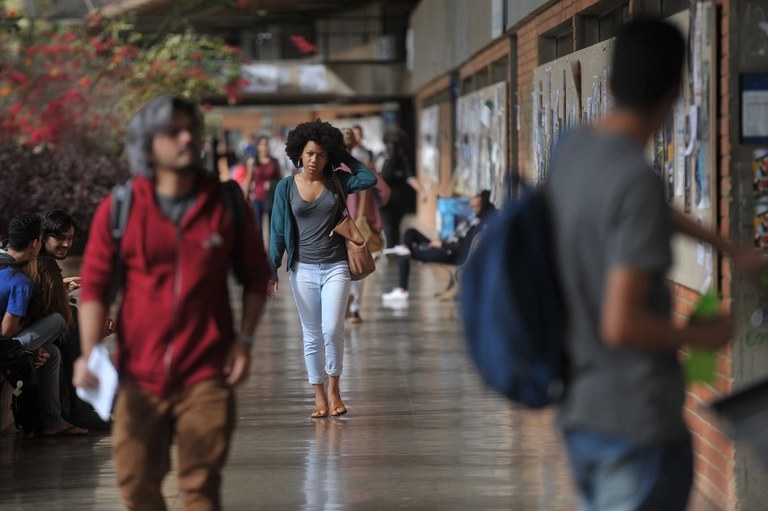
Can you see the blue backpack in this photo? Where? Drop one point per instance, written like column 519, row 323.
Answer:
column 511, row 307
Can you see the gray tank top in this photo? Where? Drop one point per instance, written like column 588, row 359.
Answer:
column 315, row 221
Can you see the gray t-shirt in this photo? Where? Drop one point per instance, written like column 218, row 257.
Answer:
column 174, row 208
column 315, row 222
column 609, row 210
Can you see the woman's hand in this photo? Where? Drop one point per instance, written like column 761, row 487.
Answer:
column 272, row 286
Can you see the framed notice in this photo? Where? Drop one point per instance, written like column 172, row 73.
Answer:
column 754, row 108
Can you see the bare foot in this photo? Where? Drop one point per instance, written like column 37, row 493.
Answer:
column 64, row 428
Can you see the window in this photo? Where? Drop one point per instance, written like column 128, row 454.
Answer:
column 556, row 43
column 600, row 22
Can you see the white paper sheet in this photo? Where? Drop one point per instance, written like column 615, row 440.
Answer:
column 100, row 397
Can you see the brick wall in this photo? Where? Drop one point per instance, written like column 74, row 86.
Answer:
column 714, row 454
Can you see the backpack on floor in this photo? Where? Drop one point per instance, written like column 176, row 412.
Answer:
column 18, row 369
column 511, row 306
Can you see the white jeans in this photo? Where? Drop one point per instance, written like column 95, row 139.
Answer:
column 321, row 292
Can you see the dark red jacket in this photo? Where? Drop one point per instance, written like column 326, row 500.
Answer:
column 175, row 323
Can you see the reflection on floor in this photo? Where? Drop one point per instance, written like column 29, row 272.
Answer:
column 421, row 433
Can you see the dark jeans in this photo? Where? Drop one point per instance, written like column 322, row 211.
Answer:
column 260, row 210
column 391, row 219
column 258, row 213
column 618, row 474
column 420, row 251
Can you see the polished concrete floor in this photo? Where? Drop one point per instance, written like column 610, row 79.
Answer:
column 421, row 433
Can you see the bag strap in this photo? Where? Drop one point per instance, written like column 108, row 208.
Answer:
column 339, row 189
column 118, row 218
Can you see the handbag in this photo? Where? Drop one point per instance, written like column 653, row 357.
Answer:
column 359, row 256
column 372, row 238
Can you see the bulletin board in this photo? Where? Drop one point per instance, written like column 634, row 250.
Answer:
column 481, row 138
column 573, row 90
column 568, row 92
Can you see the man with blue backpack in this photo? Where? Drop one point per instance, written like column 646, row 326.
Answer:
column 611, row 230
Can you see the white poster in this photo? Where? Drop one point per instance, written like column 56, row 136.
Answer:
column 260, row 78
column 313, row 79
column 429, row 155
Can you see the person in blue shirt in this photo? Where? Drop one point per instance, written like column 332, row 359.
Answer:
column 452, row 250
column 18, row 268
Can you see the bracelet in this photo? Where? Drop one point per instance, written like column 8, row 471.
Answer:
column 246, row 339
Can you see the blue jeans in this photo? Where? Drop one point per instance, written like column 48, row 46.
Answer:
column 615, row 474
column 321, row 292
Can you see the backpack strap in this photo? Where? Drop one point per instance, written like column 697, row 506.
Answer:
column 118, row 218
column 233, row 200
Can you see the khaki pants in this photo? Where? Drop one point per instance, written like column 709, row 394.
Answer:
column 202, row 418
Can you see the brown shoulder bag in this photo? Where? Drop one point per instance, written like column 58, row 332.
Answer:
column 360, row 259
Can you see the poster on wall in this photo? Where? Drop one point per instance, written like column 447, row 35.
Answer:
column 567, row 92
column 481, row 134
column 429, row 154
column 760, row 187
column 681, row 152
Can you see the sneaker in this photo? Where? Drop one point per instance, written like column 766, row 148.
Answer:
column 395, row 294
column 397, row 251
column 355, row 317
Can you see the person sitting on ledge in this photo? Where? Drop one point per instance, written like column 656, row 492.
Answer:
column 453, row 250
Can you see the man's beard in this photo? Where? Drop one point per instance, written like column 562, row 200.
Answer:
column 186, row 170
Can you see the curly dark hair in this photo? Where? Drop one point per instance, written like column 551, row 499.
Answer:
column 321, row 133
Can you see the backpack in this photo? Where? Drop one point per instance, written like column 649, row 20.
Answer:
column 511, row 307
column 121, row 207
column 18, row 369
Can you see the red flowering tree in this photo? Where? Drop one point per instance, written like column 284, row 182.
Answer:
column 78, row 84
column 66, row 93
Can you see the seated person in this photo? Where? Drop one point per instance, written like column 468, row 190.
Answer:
column 452, row 250
column 18, row 269
column 51, row 291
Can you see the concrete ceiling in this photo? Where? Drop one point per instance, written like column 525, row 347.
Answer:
column 230, row 14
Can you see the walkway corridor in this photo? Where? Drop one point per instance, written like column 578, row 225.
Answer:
column 421, row 432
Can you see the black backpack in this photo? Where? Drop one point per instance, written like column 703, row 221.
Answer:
column 18, row 369
column 121, row 207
